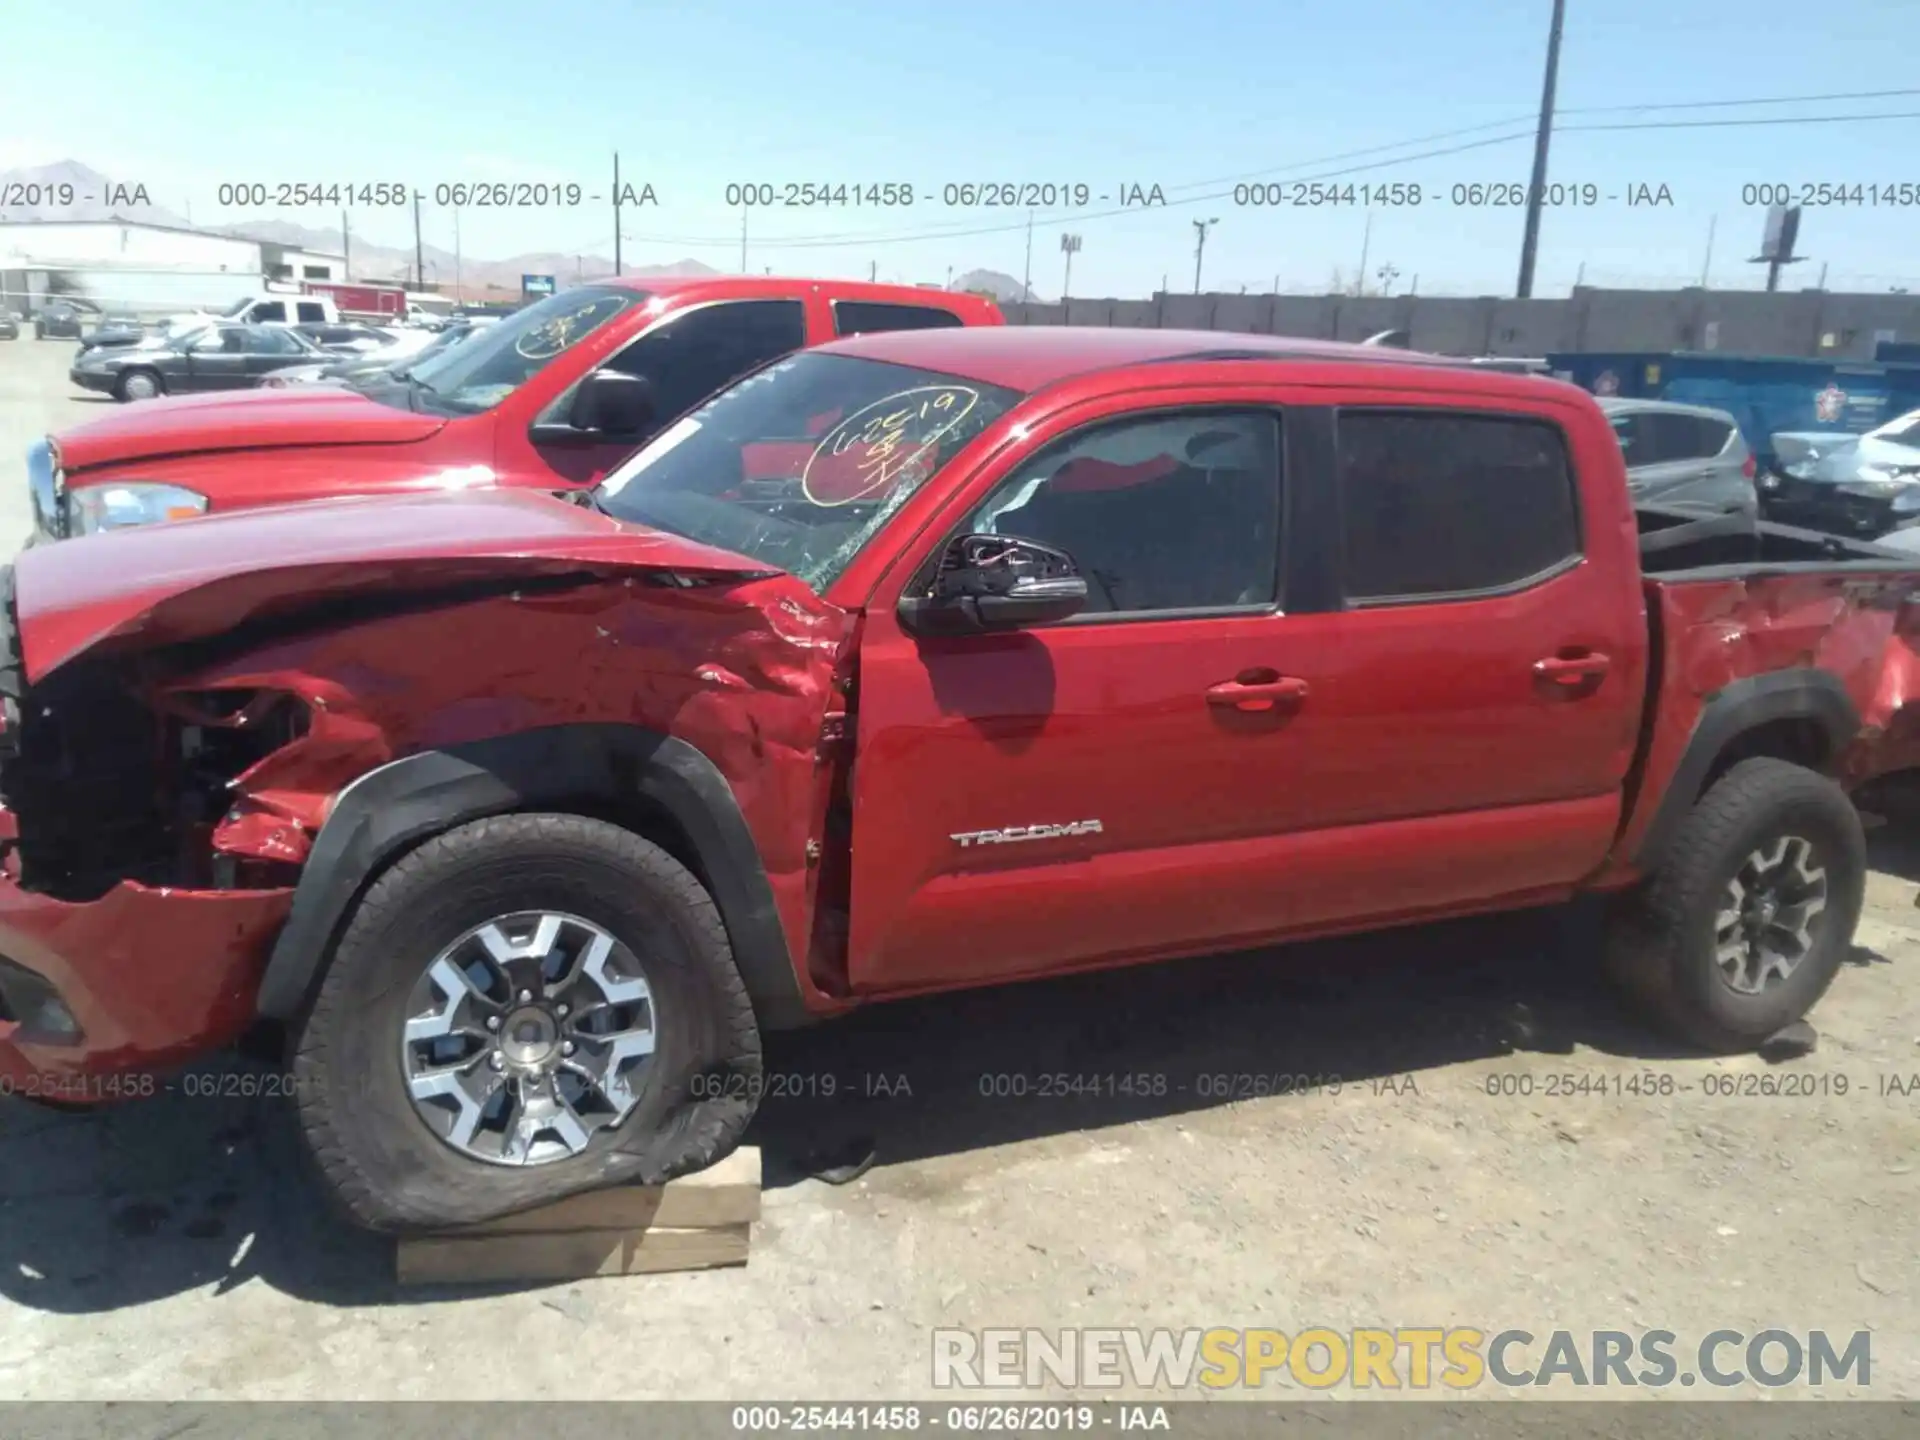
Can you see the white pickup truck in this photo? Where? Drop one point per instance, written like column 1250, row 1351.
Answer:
column 265, row 308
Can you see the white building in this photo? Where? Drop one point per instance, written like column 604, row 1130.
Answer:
column 157, row 269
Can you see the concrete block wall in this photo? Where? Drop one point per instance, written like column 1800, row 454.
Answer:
column 1805, row 323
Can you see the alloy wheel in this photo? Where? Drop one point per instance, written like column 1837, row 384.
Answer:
column 527, row 1036
column 1768, row 916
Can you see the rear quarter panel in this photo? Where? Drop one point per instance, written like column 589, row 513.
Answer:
column 1856, row 626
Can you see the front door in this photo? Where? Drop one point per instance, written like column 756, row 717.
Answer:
column 1098, row 788
column 217, row 360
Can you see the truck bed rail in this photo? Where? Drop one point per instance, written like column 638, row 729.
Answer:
column 1675, row 542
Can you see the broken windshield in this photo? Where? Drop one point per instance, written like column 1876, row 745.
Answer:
column 799, row 464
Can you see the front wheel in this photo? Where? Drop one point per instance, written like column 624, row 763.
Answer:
column 1750, row 910
column 140, row 385
column 525, row 1007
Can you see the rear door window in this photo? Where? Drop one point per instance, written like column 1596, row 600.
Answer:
column 311, row 312
column 862, row 317
column 1439, row 504
column 269, row 310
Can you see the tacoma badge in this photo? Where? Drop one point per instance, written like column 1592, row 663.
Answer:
column 1027, row 832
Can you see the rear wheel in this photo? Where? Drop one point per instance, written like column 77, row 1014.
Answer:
column 1750, row 911
column 140, row 385
column 525, row 1007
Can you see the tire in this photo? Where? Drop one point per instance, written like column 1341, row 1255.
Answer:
column 378, row 1149
column 1665, row 942
column 139, row 385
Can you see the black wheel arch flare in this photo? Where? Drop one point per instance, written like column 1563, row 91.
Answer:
column 390, row 810
column 1737, row 710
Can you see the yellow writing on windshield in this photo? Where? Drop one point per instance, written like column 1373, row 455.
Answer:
column 550, row 337
column 871, row 449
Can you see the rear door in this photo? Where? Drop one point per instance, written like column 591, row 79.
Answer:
column 1474, row 674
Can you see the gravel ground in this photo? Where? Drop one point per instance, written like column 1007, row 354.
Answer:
column 176, row 1247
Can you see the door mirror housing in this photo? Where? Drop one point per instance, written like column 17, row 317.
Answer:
column 609, row 405
column 996, row 582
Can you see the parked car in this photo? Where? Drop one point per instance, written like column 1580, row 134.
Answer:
column 348, row 339
column 1684, row 455
column 57, row 321
column 113, row 330
column 534, row 400
column 561, row 802
column 1867, row 485
column 409, row 347
column 9, row 325
column 215, row 357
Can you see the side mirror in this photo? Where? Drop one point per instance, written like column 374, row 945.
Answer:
column 613, row 404
column 996, row 582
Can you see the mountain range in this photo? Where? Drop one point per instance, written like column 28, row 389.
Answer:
column 91, row 192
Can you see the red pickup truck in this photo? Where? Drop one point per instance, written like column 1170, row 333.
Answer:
column 544, row 399
column 908, row 663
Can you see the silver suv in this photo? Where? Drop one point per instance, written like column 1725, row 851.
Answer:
column 1686, row 456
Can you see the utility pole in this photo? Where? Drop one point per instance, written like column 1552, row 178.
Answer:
column 616, row 212
column 1200, row 228
column 873, row 271
column 1530, row 241
column 1069, row 246
column 743, row 240
column 1706, row 265
column 1823, row 276
column 419, row 254
column 1026, row 281
column 1366, row 242
column 949, row 277
column 458, row 298
column 346, row 249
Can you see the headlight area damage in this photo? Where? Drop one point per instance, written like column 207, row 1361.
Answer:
column 173, row 748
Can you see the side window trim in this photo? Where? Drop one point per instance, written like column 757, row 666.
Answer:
column 1519, row 586
column 1281, row 418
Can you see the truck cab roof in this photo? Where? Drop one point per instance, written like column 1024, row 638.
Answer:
column 1030, row 357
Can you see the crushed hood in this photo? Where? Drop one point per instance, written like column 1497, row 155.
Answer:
column 163, row 584
column 239, row 420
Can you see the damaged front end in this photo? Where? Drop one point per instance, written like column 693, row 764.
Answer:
column 139, row 887
column 185, row 707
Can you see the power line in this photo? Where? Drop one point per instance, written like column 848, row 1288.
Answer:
column 1755, row 120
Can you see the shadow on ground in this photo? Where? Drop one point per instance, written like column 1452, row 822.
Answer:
column 190, row 1189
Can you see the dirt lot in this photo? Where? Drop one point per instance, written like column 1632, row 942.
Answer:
column 176, row 1248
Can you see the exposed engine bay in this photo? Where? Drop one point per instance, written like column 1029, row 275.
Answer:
column 107, row 783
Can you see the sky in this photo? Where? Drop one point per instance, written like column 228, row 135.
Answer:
column 1192, row 97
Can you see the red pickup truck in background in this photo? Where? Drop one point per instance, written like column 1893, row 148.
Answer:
column 907, row 663
column 544, row 398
